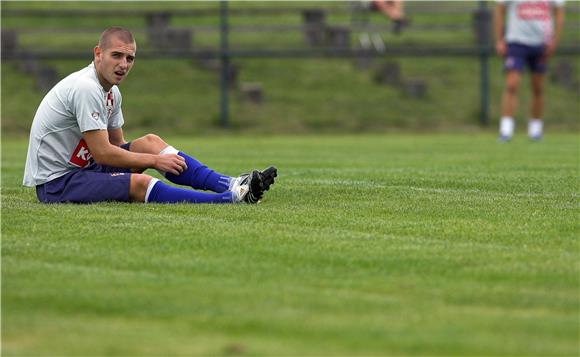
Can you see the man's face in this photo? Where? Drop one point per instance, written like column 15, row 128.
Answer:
column 114, row 62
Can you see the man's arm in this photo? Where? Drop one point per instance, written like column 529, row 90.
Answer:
column 105, row 153
column 116, row 137
column 498, row 29
column 558, row 24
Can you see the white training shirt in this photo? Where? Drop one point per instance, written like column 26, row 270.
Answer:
column 76, row 104
column 530, row 22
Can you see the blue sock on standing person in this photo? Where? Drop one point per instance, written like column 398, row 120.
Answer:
column 197, row 175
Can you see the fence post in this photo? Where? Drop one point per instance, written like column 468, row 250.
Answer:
column 9, row 43
column 314, row 25
column 225, row 64
column 482, row 27
column 157, row 24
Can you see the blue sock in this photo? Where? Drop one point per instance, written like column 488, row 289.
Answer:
column 199, row 176
column 164, row 193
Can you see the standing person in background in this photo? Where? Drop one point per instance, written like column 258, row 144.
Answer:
column 532, row 31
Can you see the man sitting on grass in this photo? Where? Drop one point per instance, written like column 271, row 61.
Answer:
column 77, row 152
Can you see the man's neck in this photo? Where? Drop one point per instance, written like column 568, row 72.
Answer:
column 106, row 86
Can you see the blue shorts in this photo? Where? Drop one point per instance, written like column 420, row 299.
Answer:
column 93, row 183
column 519, row 56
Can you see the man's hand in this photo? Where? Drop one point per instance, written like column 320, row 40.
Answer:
column 549, row 49
column 501, row 48
column 498, row 27
column 172, row 163
column 105, row 153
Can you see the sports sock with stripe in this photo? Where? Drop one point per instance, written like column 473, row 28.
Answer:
column 197, row 175
column 163, row 193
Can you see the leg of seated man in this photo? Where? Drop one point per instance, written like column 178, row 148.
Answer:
column 197, row 175
column 105, row 184
column 87, row 185
column 145, row 188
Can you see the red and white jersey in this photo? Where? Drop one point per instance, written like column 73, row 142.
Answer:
column 529, row 22
column 77, row 104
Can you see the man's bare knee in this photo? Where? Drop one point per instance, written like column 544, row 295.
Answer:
column 538, row 90
column 149, row 144
column 512, row 83
column 138, row 187
column 512, row 88
column 153, row 139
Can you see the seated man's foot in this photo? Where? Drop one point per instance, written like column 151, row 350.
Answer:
column 250, row 187
column 267, row 176
column 247, row 188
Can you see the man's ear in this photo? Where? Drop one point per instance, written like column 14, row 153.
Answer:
column 97, row 53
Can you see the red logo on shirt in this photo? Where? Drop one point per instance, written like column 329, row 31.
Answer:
column 110, row 103
column 534, row 10
column 81, row 156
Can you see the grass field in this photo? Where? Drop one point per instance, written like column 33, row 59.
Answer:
column 366, row 245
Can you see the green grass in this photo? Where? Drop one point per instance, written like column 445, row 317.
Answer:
column 366, row 245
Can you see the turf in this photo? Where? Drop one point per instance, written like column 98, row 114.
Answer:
column 366, row 245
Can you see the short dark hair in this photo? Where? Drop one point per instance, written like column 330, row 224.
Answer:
column 120, row 32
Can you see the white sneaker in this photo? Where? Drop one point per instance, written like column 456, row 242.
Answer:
column 240, row 188
column 506, row 128
column 247, row 187
column 535, row 129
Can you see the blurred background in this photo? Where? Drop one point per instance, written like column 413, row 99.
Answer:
column 283, row 67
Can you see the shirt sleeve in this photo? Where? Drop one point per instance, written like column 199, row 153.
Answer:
column 116, row 120
column 89, row 107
